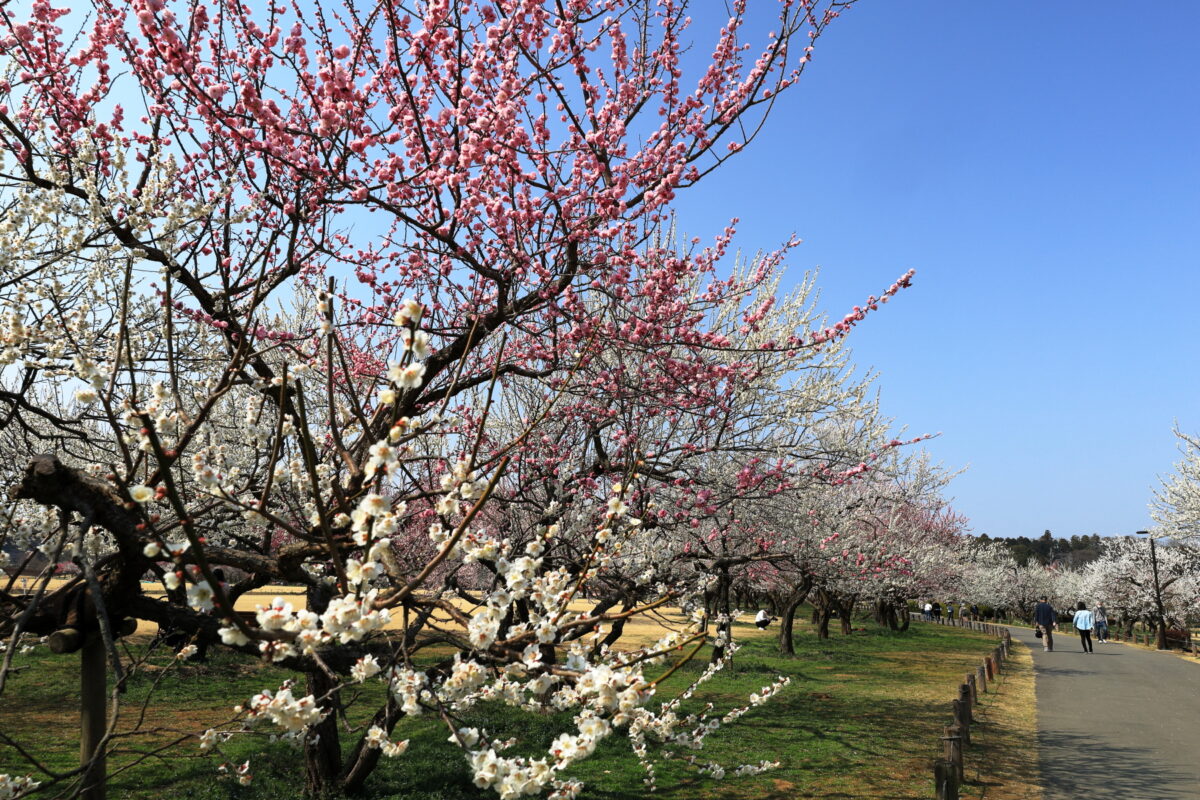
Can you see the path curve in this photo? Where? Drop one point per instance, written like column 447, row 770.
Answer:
column 1121, row 723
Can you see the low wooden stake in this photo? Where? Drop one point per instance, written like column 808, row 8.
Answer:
column 945, row 780
column 952, row 748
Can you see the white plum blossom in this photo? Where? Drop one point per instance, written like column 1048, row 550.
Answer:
column 409, row 313
column 407, row 376
column 376, row 737
column 141, row 494
column 233, row 636
column 208, row 739
column 200, row 596
column 394, row 749
column 364, row 668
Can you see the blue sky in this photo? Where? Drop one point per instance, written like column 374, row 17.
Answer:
column 1039, row 165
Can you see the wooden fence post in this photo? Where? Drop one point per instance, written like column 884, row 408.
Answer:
column 952, row 748
column 92, row 705
column 990, row 663
column 962, row 718
column 945, row 781
column 981, row 678
column 972, row 689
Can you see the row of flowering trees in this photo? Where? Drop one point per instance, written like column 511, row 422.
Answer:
column 384, row 301
column 1153, row 578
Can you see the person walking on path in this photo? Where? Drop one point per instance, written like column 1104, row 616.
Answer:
column 937, row 611
column 928, row 611
column 1101, row 618
column 1083, row 623
column 1046, row 620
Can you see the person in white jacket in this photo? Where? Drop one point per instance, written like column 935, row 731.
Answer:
column 1084, row 621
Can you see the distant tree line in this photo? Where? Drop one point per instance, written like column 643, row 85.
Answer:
column 1045, row 549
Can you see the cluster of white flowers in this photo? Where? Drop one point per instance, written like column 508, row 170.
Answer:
column 376, row 517
column 346, row 619
column 364, row 668
column 411, row 688
column 15, row 786
column 292, row 714
column 241, row 772
column 509, row 777
column 377, row 739
column 409, row 372
column 518, row 776
column 485, row 626
column 92, row 375
column 208, row 740
column 31, row 526
column 350, row 619
column 757, row 699
column 756, row 769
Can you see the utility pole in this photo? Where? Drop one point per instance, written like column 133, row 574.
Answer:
column 1160, row 623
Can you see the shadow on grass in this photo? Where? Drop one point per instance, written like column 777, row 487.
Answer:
column 851, row 724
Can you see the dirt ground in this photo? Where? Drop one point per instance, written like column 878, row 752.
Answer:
column 643, row 629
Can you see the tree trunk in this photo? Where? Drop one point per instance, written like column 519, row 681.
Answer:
column 823, row 617
column 363, row 759
column 723, row 609
column 322, row 748
column 885, row 614
column 846, row 615
column 904, row 619
column 787, row 606
column 787, row 618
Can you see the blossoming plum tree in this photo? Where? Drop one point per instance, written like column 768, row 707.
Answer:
column 1159, row 589
column 1176, row 505
column 273, row 279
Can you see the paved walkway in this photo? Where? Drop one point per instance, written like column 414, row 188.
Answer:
column 1121, row 723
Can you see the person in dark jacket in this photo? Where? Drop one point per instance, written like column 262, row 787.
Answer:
column 1046, row 620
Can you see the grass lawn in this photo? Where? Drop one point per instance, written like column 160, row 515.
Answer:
column 1002, row 763
column 862, row 718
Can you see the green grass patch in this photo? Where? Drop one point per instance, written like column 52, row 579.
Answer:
column 862, row 717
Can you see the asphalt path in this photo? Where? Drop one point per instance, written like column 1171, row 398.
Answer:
column 1122, row 722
